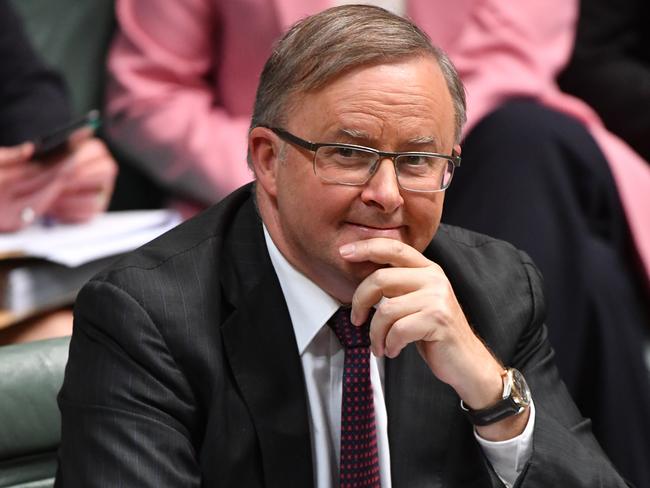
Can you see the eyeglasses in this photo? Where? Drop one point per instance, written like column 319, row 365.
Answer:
column 349, row 164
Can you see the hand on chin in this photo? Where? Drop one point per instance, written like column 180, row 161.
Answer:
column 359, row 271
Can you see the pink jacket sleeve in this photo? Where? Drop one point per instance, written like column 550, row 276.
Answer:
column 162, row 101
column 505, row 49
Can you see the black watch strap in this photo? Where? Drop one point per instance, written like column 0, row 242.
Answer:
column 486, row 416
column 515, row 399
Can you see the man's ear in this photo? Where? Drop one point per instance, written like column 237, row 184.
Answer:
column 264, row 152
column 457, row 149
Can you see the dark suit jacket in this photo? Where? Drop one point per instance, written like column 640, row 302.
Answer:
column 184, row 371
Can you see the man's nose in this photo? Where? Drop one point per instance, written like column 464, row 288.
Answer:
column 382, row 190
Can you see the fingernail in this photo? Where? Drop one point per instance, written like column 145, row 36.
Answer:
column 347, row 249
column 354, row 318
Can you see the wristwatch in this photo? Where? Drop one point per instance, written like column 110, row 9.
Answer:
column 514, row 400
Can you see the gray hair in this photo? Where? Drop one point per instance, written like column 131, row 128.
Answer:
column 323, row 46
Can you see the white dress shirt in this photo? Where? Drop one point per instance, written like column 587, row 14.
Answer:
column 322, row 358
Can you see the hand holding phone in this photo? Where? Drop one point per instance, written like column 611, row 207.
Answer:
column 56, row 141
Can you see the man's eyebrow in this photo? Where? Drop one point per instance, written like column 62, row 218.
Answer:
column 364, row 136
column 358, row 135
column 423, row 140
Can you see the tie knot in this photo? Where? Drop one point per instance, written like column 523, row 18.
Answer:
column 350, row 335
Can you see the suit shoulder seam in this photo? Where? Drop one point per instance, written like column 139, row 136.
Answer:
column 124, row 267
column 486, row 242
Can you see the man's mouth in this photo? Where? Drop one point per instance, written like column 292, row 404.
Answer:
column 390, row 231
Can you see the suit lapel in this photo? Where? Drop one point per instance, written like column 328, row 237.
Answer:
column 261, row 349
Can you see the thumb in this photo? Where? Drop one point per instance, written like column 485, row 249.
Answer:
column 79, row 136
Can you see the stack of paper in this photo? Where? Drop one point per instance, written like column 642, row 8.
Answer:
column 44, row 266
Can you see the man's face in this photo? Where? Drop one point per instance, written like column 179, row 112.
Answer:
column 403, row 106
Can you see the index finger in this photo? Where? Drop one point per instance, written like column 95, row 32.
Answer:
column 381, row 250
column 16, row 154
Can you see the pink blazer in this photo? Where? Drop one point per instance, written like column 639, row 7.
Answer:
column 183, row 79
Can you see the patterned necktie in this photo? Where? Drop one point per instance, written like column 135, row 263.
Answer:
column 359, row 463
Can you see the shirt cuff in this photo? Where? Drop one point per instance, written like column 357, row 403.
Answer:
column 509, row 457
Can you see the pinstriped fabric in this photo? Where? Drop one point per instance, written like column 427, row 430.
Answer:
column 359, row 463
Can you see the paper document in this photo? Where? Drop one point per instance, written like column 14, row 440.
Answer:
column 76, row 244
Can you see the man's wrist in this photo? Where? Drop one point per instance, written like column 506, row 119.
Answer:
column 486, row 389
column 503, row 418
column 505, row 429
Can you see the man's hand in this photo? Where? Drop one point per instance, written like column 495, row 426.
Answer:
column 417, row 304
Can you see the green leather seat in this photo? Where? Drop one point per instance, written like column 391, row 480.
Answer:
column 31, row 375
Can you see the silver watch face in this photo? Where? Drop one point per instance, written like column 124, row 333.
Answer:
column 520, row 389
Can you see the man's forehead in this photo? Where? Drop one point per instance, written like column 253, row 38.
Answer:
column 410, row 96
column 297, row 93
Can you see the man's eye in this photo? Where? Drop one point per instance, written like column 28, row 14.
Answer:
column 415, row 160
column 346, row 152
column 346, row 156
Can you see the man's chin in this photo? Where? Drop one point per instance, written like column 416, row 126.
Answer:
column 348, row 277
column 360, row 271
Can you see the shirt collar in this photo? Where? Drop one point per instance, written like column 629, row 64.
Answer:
column 309, row 306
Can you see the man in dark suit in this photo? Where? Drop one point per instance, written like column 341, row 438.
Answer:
column 223, row 353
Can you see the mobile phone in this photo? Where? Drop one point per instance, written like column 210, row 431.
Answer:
column 57, row 141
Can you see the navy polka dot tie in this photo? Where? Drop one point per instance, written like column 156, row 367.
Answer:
column 359, row 463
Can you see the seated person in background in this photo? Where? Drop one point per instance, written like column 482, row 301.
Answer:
column 236, row 349
column 70, row 187
column 537, row 165
column 610, row 67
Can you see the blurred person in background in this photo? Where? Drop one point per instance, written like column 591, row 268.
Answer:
column 610, row 67
column 542, row 171
column 71, row 186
